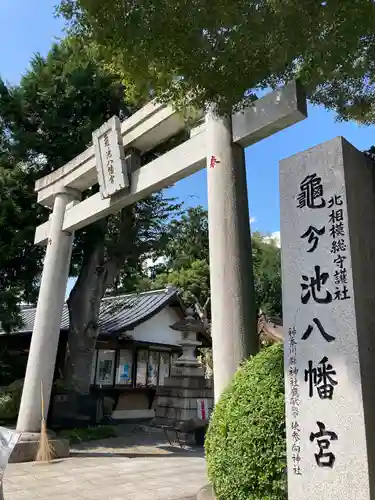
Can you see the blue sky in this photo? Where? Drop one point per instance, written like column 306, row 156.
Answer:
column 29, row 27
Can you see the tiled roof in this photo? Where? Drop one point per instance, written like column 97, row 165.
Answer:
column 117, row 314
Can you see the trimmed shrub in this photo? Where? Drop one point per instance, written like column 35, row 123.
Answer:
column 245, row 443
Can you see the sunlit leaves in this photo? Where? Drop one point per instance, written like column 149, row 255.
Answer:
column 226, row 47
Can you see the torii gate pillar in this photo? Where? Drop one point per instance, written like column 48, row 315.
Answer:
column 231, row 275
column 46, row 333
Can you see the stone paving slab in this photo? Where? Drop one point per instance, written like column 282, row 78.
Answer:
column 138, row 476
column 137, row 465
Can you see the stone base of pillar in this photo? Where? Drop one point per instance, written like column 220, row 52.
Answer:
column 176, row 402
column 27, row 447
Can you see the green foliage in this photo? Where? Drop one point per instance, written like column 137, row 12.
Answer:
column 59, row 102
column 267, row 275
column 216, row 52
column 20, row 259
column 19, row 214
column 46, row 121
column 193, row 281
column 186, row 258
column 77, row 436
column 10, row 401
column 245, row 443
column 187, row 263
column 12, row 366
column 188, row 238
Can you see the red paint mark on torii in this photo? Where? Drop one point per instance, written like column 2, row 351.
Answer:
column 213, row 161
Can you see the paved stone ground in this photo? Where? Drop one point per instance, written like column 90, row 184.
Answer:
column 139, row 465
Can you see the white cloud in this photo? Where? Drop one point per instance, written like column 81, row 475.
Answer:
column 148, row 264
column 274, row 237
column 151, row 262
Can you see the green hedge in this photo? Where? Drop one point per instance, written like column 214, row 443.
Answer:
column 245, row 443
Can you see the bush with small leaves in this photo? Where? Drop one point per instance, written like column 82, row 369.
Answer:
column 245, row 443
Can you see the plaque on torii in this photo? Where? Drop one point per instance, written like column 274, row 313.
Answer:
column 111, row 166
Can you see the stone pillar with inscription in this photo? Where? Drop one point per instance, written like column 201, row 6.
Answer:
column 328, row 268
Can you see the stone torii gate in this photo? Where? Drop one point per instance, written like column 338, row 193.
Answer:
column 113, row 161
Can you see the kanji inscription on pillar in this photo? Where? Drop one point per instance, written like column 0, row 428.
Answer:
column 325, row 409
column 110, row 158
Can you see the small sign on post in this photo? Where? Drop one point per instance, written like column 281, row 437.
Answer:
column 111, row 166
column 202, row 409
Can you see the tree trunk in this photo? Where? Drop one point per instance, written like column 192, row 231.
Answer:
column 96, row 275
column 84, row 306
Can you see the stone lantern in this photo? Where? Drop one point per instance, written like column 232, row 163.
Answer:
column 184, row 402
column 189, row 328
